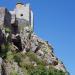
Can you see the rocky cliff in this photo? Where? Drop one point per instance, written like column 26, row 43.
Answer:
column 24, row 53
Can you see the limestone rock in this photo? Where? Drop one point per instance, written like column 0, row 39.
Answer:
column 12, row 69
column 25, row 39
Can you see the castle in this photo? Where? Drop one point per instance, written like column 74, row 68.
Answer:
column 16, row 29
column 12, row 23
column 20, row 17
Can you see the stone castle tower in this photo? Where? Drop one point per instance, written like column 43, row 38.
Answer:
column 16, row 21
column 20, row 17
column 23, row 15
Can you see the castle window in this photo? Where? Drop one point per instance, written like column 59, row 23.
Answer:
column 21, row 14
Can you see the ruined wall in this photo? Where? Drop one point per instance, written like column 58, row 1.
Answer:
column 5, row 24
column 2, row 40
column 5, row 17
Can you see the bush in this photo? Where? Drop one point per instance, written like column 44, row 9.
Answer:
column 13, row 73
column 18, row 57
column 4, row 49
column 9, row 56
column 23, row 61
column 33, row 57
column 41, row 70
column 7, row 30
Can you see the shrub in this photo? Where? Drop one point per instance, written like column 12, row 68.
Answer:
column 13, row 73
column 18, row 57
column 4, row 49
column 41, row 70
column 23, row 61
column 7, row 30
column 9, row 56
column 33, row 57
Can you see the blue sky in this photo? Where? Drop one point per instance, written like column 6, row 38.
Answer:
column 54, row 21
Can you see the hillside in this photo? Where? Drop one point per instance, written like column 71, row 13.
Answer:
column 22, row 52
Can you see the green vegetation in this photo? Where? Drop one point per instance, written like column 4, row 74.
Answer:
column 4, row 49
column 25, row 60
column 9, row 56
column 34, row 57
column 13, row 73
column 41, row 70
column 7, row 30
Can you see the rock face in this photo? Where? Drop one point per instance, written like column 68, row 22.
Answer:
column 19, row 35
column 9, row 68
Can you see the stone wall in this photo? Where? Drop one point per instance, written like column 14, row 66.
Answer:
column 22, row 11
column 22, row 23
column 2, row 40
column 2, row 14
column 5, row 17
